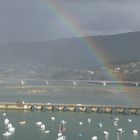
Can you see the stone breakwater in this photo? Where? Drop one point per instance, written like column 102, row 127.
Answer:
column 69, row 107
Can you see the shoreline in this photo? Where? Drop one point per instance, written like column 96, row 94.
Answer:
column 42, row 89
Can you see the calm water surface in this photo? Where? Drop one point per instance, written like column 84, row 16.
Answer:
column 83, row 94
column 73, row 129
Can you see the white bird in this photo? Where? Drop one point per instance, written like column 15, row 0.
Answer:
column 6, row 121
column 42, row 127
column 79, row 135
column 106, row 133
column 53, row 118
column 80, row 123
column 116, row 118
column 7, row 134
column 120, row 130
column 59, row 134
column 4, row 114
column 100, row 125
column 23, row 102
column 115, row 123
column 89, row 120
column 38, row 123
column 61, row 138
column 129, row 120
column 63, row 122
column 47, row 131
column 94, row 138
column 9, row 125
column 22, row 122
column 135, row 132
column 11, row 129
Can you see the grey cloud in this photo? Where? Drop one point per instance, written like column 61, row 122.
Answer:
column 32, row 20
column 106, row 16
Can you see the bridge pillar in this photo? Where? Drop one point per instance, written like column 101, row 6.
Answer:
column 74, row 83
column 137, row 84
column 36, row 107
column 88, row 109
column 49, row 107
column 101, row 110
column 94, row 109
column 127, row 111
column 22, row 83
column 66, row 109
column 47, row 83
column 77, row 109
column 69, row 108
column 104, row 83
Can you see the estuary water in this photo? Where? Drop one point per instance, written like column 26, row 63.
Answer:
column 84, row 94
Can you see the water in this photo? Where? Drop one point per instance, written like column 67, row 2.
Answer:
column 73, row 129
column 91, row 94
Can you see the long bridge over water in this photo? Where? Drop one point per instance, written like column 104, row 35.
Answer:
column 69, row 107
column 69, row 82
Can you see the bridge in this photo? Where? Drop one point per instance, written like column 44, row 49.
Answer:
column 70, row 82
column 136, row 83
column 69, row 107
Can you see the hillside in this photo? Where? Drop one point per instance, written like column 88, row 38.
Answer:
column 72, row 53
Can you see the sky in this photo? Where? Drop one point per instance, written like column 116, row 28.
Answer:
column 36, row 20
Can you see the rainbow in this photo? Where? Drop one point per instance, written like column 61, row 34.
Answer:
column 72, row 24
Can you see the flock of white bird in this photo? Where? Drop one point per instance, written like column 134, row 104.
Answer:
column 9, row 129
column 119, row 130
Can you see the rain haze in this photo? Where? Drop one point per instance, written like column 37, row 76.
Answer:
column 37, row 20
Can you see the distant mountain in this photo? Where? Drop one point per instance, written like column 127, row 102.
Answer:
column 121, row 48
column 73, row 52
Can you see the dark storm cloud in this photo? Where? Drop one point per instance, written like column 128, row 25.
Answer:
column 108, row 16
column 32, row 20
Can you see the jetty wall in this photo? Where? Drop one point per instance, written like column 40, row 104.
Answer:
column 69, row 107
